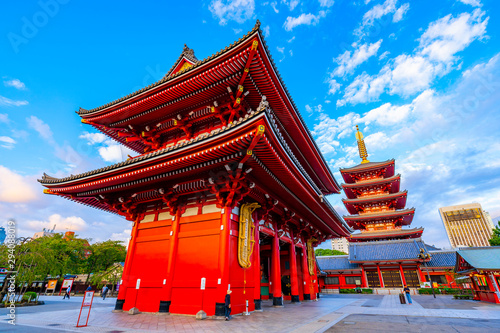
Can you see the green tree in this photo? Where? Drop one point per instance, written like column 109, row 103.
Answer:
column 103, row 256
column 495, row 238
column 110, row 276
column 328, row 252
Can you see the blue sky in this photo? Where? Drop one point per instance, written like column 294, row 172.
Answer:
column 420, row 78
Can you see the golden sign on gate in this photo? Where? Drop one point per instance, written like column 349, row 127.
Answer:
column 310, row 256
column 246, row 238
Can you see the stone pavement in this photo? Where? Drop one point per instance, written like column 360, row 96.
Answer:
column 331, row 313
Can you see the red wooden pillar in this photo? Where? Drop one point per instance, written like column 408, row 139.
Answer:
column 126, row 282
column 294, row 280
column 172, row 255
column 276, row 269
column 223, row 261
column 402, row 274
column 380, row 277
column 256, row 268
column 305, row 273
column 421, row 274
column 363, row 277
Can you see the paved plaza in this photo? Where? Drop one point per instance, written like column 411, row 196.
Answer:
column 332, row 313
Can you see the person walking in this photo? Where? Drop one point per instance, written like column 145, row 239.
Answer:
column 104, row 292
column 227, row 305
column 66, row 294
column 407, row 292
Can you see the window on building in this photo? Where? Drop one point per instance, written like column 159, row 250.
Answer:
column 332, row 280
column 353, row 280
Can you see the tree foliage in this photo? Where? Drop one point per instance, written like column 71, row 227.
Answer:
column 103, row 256
column 328, row 252
column 495, row 238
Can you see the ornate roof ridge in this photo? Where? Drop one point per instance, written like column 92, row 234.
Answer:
column 409, row 240
column 168, row 78
column 187, row 53
column 52, row 180
column 369, row 182
column 394, row 212
column 366, row 165
column 375, row 198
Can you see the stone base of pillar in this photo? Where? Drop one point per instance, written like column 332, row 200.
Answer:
column 307, row 297
column 295, row 299
column 164, row 306
column 278, row 301
column 258, row 305
column 220, row 309
column 119, row 305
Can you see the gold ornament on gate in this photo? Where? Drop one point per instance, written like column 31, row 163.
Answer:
column 246, row 239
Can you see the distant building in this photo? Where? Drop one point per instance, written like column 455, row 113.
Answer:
column 467, row 225
column 44, row 233
column 3, row 235
column 340, row 244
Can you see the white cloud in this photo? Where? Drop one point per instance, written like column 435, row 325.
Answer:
column 333, row 86
column 448, row 35
column 15, row 188
column 4, row 101
column 384, row 55
column 473, row 3
column 280, row 49
column 267, row 31
column 303, row 19
column 273, row 5
column 309, row 109
column 237, row 31
column 291, row 39
column 398, row 15
column 16, row 83
column 291, row 4
column 235, row 10
column 378, row 140
column 348, row 60
column 379, row 11
column 435, row 56
column 71, row 223
column 42, row 128
column 326, row 3
column 4, row 118
column 387, row 114
column 114, row 153
column 7, row 142
column 93, row 138
column 123, row 236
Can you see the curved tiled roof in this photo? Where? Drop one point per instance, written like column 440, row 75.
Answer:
column 46, row 179
column 330, row 263
column 369, row 165
column 386, row 250
column 442, row 259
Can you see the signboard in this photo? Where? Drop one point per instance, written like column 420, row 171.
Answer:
column 67, row 283
column 203, row 282
column 88, row 297
column 426, row 285
column 52, row 284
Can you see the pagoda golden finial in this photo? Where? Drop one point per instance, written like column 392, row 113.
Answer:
column 361, row 146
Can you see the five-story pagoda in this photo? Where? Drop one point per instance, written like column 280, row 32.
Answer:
column 374, row 200
column 227, row 191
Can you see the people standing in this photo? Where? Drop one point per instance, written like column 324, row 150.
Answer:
column 104, row 292
column 407, row 292
column 66, row 294
column 227, row 305
column 89, row 288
